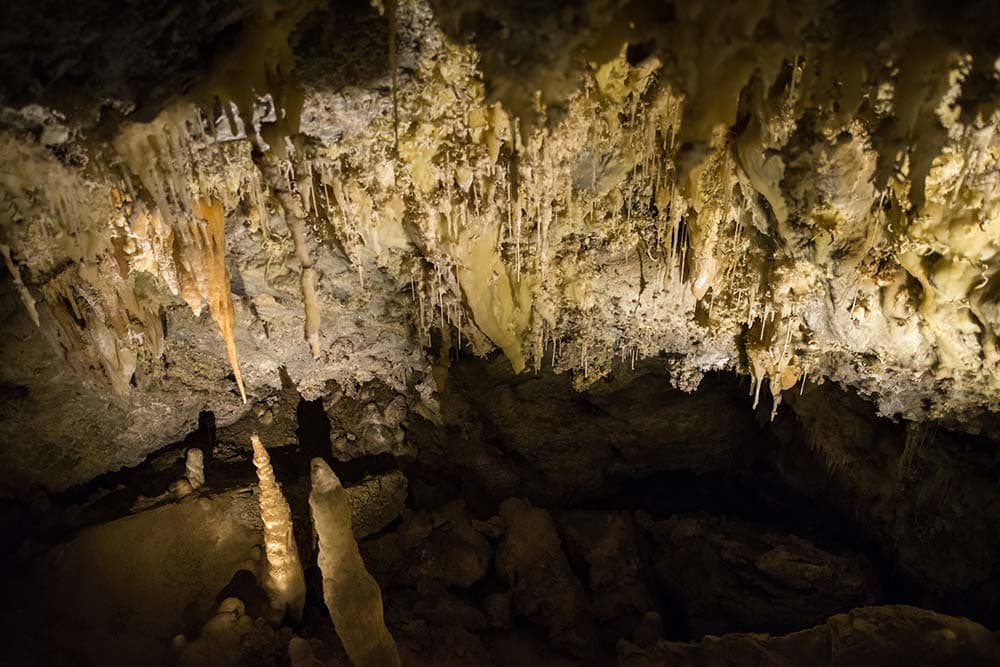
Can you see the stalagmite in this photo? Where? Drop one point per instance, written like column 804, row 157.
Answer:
column 350, row 592
column 283, row 579
column 194, row 468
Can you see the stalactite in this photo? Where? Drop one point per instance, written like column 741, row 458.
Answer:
column 283, row 579
column 295, row 217
column 22, row 289
column 309, row 298
column 351, row 594
column 210, row 242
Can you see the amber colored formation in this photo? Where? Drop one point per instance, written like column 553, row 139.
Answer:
column 283, row 579
column 211, row 243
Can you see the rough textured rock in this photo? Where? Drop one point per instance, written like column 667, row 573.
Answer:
column 273, row 419
column 546, row 591
column 370, row 422
column 902, row 484
column 538, row 437
column 376, row 502
column 438, row 546
column 732, row 576
column 867, row 637
column 518, row 250
column 749, row 188
column 231, row 638
column 608, row 543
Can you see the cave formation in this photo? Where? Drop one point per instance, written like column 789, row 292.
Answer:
column 455, row 332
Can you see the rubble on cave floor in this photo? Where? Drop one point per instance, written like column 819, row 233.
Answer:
column 663, row 566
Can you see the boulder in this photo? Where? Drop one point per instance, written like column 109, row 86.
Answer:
column 734, row 576
column 606, row 544
column 866, row 637
column 546, row 591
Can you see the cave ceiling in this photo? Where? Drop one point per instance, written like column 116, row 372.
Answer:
column 201, row 200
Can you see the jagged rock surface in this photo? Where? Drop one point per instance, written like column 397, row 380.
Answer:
column 731, row 576
column 546, row 590
column 609, row 545
column 867, row 637
column 378, row 412
column 611, row 183
column 928, row 497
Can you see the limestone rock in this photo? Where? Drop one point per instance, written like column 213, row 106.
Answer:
column 194, row 468
column 902, row 485
column 149, row 571
column 866, row 637
column 231, row 638
column 283, row 578
column 608, row 543
column 546, row 591
column 370, row 422
column 349, row 591
column 735, row 576
column 376, row 502
column 437, row 546
column 499, row 610
column 272, row 418
column 536, row 436
column 579, row 188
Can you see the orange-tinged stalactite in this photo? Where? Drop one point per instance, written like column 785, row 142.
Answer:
column 212, row 246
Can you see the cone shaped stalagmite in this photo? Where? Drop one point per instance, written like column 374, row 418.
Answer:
column 350, row 592
column 283, row 578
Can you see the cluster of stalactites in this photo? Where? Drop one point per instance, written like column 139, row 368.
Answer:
column 178, row 235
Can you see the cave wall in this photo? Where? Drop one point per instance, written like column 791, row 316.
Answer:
column 747, row 189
